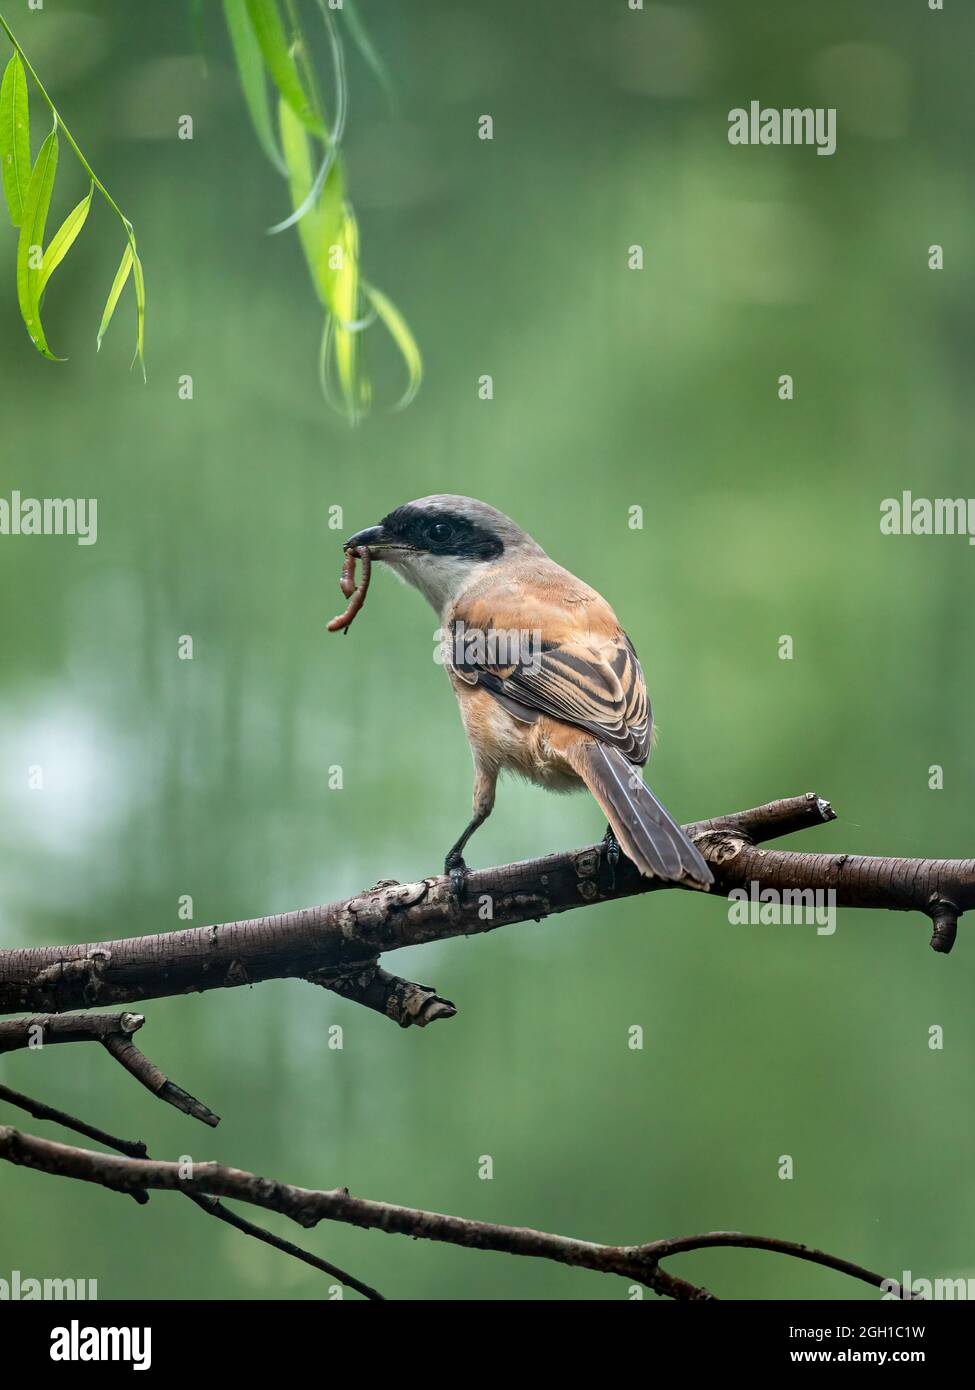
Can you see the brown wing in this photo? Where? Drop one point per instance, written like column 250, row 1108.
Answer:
column 593, row 682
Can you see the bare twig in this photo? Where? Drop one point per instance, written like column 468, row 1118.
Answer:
column 661, row 1249
column 638, row 1263
column 341, row 940
column 114, row 1032
column 212, row 1205
column 128, row 1055
column 131, row 1148
column 240, row 1223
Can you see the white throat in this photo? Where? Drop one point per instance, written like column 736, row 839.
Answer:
column 439, row 578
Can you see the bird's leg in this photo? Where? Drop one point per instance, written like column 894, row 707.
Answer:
column 484, row 785
column 454, row 863
column 612, row 854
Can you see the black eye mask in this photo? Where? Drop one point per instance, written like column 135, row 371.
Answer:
column 443, row 533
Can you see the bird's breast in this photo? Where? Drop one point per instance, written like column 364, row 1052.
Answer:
column 534, row 751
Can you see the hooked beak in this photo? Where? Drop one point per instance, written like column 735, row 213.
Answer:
column 376, row 541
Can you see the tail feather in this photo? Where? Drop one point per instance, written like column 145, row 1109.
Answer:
column 646, row 832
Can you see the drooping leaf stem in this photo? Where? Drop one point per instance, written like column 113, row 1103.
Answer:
column 271, row 47
column 59, row 122
column 69, row 231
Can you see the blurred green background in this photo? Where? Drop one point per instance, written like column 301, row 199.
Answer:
column 613, row 388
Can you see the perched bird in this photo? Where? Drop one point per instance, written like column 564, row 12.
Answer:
column 548, row 683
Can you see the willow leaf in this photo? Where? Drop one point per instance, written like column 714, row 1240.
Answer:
column 253, row 80
column 15, row 137
column 118, row 285
column 399, row 331
column 333, row 139
column 140, row 313
column 63, row 239
column 321, row 226
column 332, row 261
column 340, row 352
column 270, row 33
column 344, row 304
column 29, row 247
column 296, row 150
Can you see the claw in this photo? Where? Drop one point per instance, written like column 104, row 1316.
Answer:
column 457, row 871
column 612, row 854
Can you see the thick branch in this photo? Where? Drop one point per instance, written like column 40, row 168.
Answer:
column 638, row 1263
column 349, row 936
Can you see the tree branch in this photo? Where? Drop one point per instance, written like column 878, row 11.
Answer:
column 367, row 983
column 638, row 1263
column 211, row 1205
column 133, row 1148
column 339, row 944
column 44, row 1029
column 114, row 1032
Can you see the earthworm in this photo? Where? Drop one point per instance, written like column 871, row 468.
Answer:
column 355, row 593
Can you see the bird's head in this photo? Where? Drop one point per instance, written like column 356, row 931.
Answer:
column 441, row 544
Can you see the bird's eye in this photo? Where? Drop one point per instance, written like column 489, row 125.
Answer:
column 440, row 531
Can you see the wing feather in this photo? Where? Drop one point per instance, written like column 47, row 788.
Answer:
column 596, row 685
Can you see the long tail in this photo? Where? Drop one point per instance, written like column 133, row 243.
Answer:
column 647, row 834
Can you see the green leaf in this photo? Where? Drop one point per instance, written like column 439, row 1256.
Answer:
column 344, row 303
column 270, row 33
column 332, row 140
column 36, row 206
column 321, row 226
column 329, row 239
column 63, row 239
column 140, row 314
column 118, row 285
column 297, row 158
column 250, row 69
column 399, row 331
column 15, row 137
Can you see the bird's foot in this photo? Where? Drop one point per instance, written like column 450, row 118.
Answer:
column 457, row 871
column 612, row 854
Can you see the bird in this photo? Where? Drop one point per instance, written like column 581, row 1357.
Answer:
column 548, row 683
